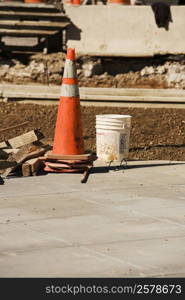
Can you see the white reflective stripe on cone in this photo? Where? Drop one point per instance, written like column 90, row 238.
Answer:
column 69, row 90
column 69, row 69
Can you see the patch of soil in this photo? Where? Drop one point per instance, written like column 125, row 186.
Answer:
column 130, row 80
column 156, row 133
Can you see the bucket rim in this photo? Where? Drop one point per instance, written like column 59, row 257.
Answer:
column 112, row 116
column 110, row 128
column 110, row 125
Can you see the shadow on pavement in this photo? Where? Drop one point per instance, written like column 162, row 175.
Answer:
column 106, row 169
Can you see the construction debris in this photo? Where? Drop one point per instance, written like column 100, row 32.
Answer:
column 22, row 154
column 25, row 139
column 30, row 157
column 3, row 145
column 123, row 72
column 32, row 166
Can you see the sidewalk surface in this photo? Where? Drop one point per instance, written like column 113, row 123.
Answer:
column 124, row 223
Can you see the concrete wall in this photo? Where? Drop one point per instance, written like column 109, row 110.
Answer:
column 116, row 30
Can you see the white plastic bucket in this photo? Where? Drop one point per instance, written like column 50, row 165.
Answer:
column 112, row 137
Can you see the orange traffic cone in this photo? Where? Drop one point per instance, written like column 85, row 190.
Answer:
column 68, row 138
column 68, row 153
column 76, row 2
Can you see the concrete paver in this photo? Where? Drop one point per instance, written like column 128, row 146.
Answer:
column 126, row 223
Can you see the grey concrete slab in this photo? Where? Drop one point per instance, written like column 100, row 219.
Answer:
column 95, row 229
column 57, row 261
column 158, row 257
column 42, row 207
column 126, row 223
column 22, row 239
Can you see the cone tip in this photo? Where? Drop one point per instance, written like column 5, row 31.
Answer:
column 70, row 54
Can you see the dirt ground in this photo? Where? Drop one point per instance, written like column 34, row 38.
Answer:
column 155, row 133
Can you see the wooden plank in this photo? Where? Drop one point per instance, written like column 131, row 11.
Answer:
column 26, row 170
column 31, row 167
column 26, row 33
column 15, row 5
column 36, row 165
column 86, row 174
column 69, row 157
column 3, row 145
column 9, row 151
column 4, row 164
column 32, row 15
column 25, row 153
column 30, row 9
column 47, row 23
column 25, row 139
column 30, row 49
column 13, row 127
column 4, row 153
column 38, row 25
